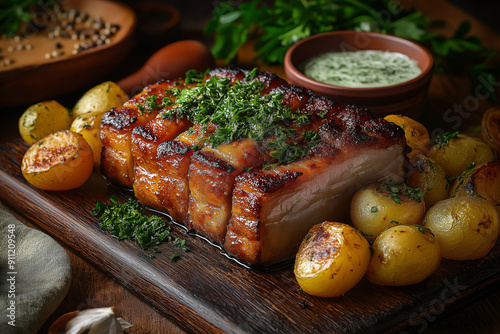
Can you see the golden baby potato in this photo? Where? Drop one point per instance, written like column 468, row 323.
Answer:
column 416, row 134
column 490, row 128
column 331, row 260
column 382, row 205
column 467, row 227
column 89, row 127
column 482, row 180
column 454, row 152
column 62, row 160
column 42, row 119
column 403, row 255
column 102, row 97
column 426, row 175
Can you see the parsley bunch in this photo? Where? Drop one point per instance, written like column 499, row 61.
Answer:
column 278, row 26
column 127, row 221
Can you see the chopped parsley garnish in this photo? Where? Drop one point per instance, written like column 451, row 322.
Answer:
column 472, row 165
column 449, row 181
column 238, row 111
column 461, row 178
column 127, row 221
column 431, row 164
column 150, row 103
column 443, row 139
column 424, row 230
column 181, row 244
column 398, row 190
column 193, row 76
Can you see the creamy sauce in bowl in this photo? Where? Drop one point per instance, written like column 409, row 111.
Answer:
column 361, row 69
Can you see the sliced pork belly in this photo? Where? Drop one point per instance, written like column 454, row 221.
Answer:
column 211, row 179
column 116, row 129
column 161, row 165
column 162, row 151
column 117, row 125
column 272, row 210
column 213, row 170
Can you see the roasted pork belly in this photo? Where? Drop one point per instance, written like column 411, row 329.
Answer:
column 116, row 130
column 241, row 193
column 272, row 210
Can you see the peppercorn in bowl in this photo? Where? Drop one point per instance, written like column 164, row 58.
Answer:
column 63, row 48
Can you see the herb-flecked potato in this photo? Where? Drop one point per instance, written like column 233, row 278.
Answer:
column 102, row 97
column 455, row 152
column 332, row 259
column 62, row 160
column 403, row 255
column 382, row 205
column 429, row 177
column 416, row 134
column 467, row 227
column 42, row 119
column 482, row 180
column 89, row 127
column 490, row 127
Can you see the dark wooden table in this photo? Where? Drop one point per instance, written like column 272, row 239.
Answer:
column 92, row 288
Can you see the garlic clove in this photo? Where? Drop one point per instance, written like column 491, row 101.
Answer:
column 95, row 321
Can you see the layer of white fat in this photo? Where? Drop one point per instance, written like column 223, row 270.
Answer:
column 289, row 213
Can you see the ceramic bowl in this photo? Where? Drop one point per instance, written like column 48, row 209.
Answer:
column 407, row 98
column 33, row 77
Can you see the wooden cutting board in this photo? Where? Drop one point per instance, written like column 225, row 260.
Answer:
column 204, row 291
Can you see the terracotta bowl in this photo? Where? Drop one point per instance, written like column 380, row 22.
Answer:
column 33, row 78
column 407, row 98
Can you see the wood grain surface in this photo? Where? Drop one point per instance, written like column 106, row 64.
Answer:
column 204, row 291
column 430, row 307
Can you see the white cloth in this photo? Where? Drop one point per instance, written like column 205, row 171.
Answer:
column 36, row 280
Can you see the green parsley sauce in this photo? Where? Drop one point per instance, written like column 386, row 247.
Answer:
column 365, row 68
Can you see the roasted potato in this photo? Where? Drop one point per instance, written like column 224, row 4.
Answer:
column 42, row 119
column 102, row 97
column 454, row 152
column 332, row 259
column 490, row 128
column 416, row 134
column 89, row 127
column 482, row 180
column 467, row 227
column 62, row 160
column 429, row 177
column 403, row 255
column 382, row 205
